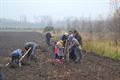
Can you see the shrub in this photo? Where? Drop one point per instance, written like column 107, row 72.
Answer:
column 48, row 28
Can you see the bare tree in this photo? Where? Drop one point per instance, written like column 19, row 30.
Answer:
column 115, row 22
column 46, row 21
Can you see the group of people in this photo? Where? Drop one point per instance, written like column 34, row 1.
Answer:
column 28, row 51
column 17, row 55
column 69, row 44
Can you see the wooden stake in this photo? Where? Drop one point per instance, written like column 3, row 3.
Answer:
column 24, row 55
column 21, row 57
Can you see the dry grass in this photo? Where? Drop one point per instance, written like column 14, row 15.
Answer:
column 103, row 47
column 100, row 44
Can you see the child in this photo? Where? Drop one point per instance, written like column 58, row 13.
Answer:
column 60, row 51
column 56, row 52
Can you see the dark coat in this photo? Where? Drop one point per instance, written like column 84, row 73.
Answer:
column 79, row 38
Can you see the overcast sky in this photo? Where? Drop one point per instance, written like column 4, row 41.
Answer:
column 57, row 9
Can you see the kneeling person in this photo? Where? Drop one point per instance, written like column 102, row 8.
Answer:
column 16, row 55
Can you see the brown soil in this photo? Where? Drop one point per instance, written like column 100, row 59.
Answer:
column 92, row 66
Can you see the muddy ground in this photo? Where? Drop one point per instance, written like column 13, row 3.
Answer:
column 92, row 66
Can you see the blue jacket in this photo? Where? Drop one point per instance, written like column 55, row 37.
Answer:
column 17, row 52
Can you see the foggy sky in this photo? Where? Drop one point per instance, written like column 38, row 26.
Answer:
column 57, row 9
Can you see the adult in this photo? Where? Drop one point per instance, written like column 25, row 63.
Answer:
column 33, row 47
column 64, row 38
column 74, row 48
column 78, row 37
column 16, row 55
column 48, row 38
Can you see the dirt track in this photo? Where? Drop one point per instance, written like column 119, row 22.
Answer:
column 92, row 67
